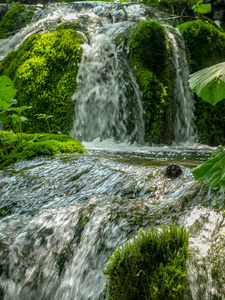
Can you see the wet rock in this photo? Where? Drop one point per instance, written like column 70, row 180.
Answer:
column 173, row 171
column 3, row 10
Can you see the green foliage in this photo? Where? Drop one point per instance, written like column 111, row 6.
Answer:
column 209, row 83
column 35, row 145
column 45, row 117
column 205, row 45
column 44, row 70
column 212, row 172
column 17, row 17
column 7, row 92
column 152, row 266
column 149, row 54
column 202, row 8
column 180, row 7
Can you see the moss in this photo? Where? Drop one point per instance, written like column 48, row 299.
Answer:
column 205, row 45
column 44, row 70
column 35, row 145
column 153, row 266
column 17, row 17
column 149, row 55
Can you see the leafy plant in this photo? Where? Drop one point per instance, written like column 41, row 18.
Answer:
column 17, row 119
column 209, row 83
column 7, row 92
column 202, row 8
column 46, row 117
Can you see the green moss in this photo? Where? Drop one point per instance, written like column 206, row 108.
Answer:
column 44, row 70
column 35, row 145
column 149, row 55
column 205, row 45
column 17, row 17
column 153, row 266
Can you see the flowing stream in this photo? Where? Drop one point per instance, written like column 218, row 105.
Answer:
column 61, row 218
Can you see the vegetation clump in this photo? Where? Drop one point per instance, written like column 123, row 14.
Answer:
column 35, row 145
column 149, row 54
column 152, row 266
column 17, row 17
column 205, row 45
column 44, row 70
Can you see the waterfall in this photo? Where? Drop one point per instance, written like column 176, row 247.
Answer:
column 108, row 99
column 184, row 122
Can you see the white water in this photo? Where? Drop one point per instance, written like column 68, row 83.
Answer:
column 108, row 99
column 184, row 123
column 120, row 188
column 42, row 204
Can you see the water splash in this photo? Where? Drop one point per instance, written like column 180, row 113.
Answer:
column 108, row 99
column 184, row 123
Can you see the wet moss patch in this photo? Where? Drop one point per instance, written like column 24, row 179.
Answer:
column 35, row 145
column 149, row 55
column 44, row 71
column 152, row 266
column 17, row 17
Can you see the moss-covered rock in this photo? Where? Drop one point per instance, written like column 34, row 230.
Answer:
column 17, row 17
column 44, row 70
column 149, row 55
column 205, row 45
column 35, row 145
column 152, row 266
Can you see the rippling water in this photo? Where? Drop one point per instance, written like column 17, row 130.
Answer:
column 61, row 218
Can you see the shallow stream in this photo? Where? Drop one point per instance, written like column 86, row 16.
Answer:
column 61, row 218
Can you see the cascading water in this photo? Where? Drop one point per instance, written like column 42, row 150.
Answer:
column 108, row 99
column 184, row 123
column 61, row 218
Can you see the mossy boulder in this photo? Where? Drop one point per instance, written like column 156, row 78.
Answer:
column 152, row 266
column 34, row 145
column 44, row 71
column 205, row 45
column 150, row 57
column 17, row 17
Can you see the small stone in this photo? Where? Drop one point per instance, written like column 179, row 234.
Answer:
column 173, row 171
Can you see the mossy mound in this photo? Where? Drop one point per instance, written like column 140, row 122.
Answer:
column 17, row 17
column 153, row 266
column 44, row 71
column 35, row 145
column 205, row 45
column 149, row 55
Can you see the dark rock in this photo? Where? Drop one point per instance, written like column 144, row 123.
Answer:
column 3, row 10
column 173, row 171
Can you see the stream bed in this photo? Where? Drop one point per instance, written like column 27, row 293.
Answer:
column 61, row 218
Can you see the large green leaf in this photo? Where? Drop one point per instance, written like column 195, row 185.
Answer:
column 209, row 83
column 202, row 8
column 212, row 172
column 7, row 92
